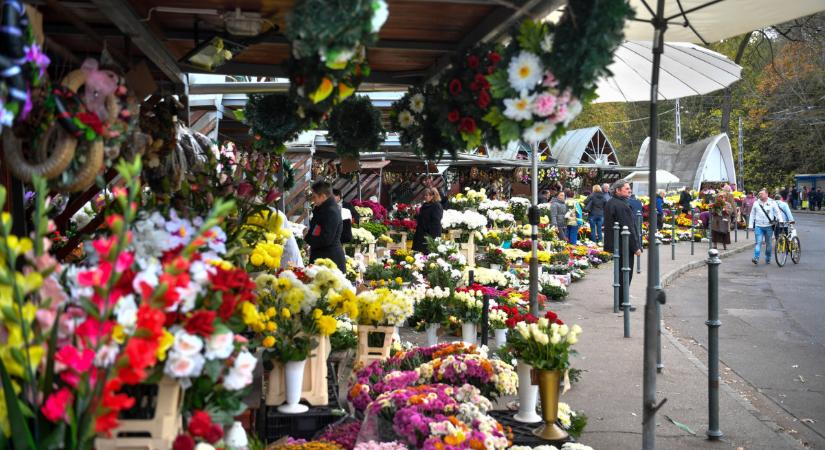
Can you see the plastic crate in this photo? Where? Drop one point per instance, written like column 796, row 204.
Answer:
column 298, row 426
column 523, row 432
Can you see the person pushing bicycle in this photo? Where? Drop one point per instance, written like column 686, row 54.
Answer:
column 782, row 225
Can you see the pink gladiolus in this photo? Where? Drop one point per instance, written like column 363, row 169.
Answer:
column 244, row 189
column 56, row 405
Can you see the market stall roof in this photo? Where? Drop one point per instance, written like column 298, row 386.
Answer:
column 415, row 44
column 585, row 146
column 710, row 159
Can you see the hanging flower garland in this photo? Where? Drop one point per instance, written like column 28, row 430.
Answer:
column 549, row 70
column 273, row 121
column 329, row 40
column 465, row 98
column 414, row 117
column 355, row 126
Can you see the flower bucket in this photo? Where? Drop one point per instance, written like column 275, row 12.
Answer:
column 160, row 424
column 527, row 395
column 495, row 266
column 294, row 381
column 501, row 337
column 367, row 353
column 314, row 390
column 468, row 333
column 432, row 334
column 549, row 392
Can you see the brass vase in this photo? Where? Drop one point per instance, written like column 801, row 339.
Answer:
column 548, row 381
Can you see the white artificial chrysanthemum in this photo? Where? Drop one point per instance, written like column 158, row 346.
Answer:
column 538, row 132
column 380, row 13
column 405, row 119
column 417, row 103
column 519, row 108
column 524, row 71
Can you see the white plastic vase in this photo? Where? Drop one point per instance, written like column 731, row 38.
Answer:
column 432, row 334
column 527, row 395
column 236, row 437
column 294, row 380
column 501, row 337
column 468, row 333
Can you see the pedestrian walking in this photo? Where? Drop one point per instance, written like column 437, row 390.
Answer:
column 804, row 195
column 819, row 199
column 558, row 209
column 594, row 205
column 428, row 220
column 722, row 216
column 685, row 198
column 783, row 219
column 747, row 205
column 324, row 232
column 346, row 218
column 795, row 198
column 660, row 209
column 762, row 219
column 618, row 210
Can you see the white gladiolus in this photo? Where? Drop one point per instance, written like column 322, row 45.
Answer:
column 555, row 339
column 563, row 330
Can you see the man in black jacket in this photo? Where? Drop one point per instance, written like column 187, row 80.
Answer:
column 684, row 200
column 618, row 210
column 324, row 231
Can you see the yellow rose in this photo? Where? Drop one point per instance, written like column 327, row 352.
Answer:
column 285, row 313
column 268, row 342
column 271, row 326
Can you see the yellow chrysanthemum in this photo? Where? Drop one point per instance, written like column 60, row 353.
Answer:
column 268, row 342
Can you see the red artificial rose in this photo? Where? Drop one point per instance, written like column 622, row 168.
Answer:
column 200, row 423
column 453, row 116
column 490, row 70
column 467, row 125
column 482, row 81
column 483, row 99
column 494, row 57
column 92, row 121
column 227, row 307
column 201, row 323
column 455, row 87
column 474, row 86
column 184, row 442
column 214, row 434
column 472, row 61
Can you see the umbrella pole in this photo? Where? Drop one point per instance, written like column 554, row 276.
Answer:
column 534, row 234
column 654, row 291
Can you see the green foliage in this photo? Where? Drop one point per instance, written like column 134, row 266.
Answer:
column 377, row 229
column 343, row 340
column 530, row 35
column 422, row 135
column 355, row 126
column 274, row 120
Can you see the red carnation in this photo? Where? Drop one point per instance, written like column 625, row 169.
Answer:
column 453, row 116
column 455, row 87
column 483, row 99
column 472, row 61
column 201, row 323
column 467, row 125
column 184, row 442
column 494, row 57
column 200, row 423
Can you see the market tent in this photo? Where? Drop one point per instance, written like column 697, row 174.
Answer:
column 641, row 176
column 710, row 159
column 585, row 146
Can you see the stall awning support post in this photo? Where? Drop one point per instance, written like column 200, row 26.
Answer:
column 534, row 232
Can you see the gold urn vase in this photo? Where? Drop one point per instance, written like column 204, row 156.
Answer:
column 548, row 381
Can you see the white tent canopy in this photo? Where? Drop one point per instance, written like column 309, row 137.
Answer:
column 662, row 177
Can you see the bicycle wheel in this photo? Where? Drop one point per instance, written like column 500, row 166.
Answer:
column 780, row 250
column 796, row 250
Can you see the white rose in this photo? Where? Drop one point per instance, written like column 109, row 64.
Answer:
column 576, row 329
column 237, row 380
column 182, row 366
column 245, row 362
column 555, row 339
column 187, row 344
column 220, row 346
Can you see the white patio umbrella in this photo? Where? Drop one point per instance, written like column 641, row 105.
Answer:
column 642, row 176
column 686, row 70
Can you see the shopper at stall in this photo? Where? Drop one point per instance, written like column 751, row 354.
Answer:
column 660, row 208
column 558, row 209
column 428, row 220
column 324, row 232
column 685, row 197
column 574, row 219
column 346, row 218
column 618, row 210
column 594, row 205
column 721, row 220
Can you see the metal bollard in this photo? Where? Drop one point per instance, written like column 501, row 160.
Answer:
column 659, row 364
column 616, row 273
column 713, row 324
column 692, row 230
column 735, row 229
column 673, row 238
column 639, row 237
column 626, row 279
column 485, row 319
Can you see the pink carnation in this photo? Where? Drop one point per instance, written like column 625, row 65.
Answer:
column 544, row 105
column 549, row 80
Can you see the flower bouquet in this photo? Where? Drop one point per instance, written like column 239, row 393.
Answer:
column 493, row 377
column 496, row 257
column 470, row 198
column 488, row 205
column 518, row 208
column 545, row 345
column 376, row 211
column 500, row 218
column 362, row 237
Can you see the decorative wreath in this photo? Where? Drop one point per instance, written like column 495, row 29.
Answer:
column 273, row 120
column 464, row 97
column 289, row 175
column 549, row 70
column 355, row 126
column 328, row 41
column 414, row 116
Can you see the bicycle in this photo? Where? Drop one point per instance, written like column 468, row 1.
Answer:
column 787, row 243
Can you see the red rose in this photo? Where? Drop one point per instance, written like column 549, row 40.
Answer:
column 482, row 81
column 490, row 70
column 201, row 323
column 453, row 116
column 200, row 423
column 467, row 125
column 227, row 308
column 474, row 86
column 214, row 434
column 455, row 87
column 184, row 442
column 494, row 57
column 92, row 121
column 472, row 61
column 483, row 99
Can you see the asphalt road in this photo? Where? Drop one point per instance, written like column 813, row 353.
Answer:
column 772, row 338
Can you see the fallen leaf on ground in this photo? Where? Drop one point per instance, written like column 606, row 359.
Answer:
column 809, row 420
column 682, row 426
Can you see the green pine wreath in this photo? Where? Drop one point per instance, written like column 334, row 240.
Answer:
column 355, row 127
column 274, row 120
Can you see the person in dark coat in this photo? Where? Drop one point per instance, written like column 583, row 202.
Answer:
column 347, row 218
column 635, row 204
column 618, row 210
column 594, row 205
column 685, row 198
column 324, row 232
column 428, row 220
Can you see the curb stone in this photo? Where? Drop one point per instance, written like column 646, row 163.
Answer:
column 674, row 274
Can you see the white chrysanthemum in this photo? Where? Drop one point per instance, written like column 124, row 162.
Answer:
column 380, row 13
column 519, row 108
column 524, row 71
column 417, row 103
column 538, row 132
column 405, row 119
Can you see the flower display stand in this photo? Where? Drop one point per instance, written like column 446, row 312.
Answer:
column 366, row 353
column 369, row 255
column 314, row 390
column 399, row 239
column 156, row 418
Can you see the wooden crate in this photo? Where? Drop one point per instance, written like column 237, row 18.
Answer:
column 399, row 240
column 315, row 388
column 156, row 432
column 367, row 354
